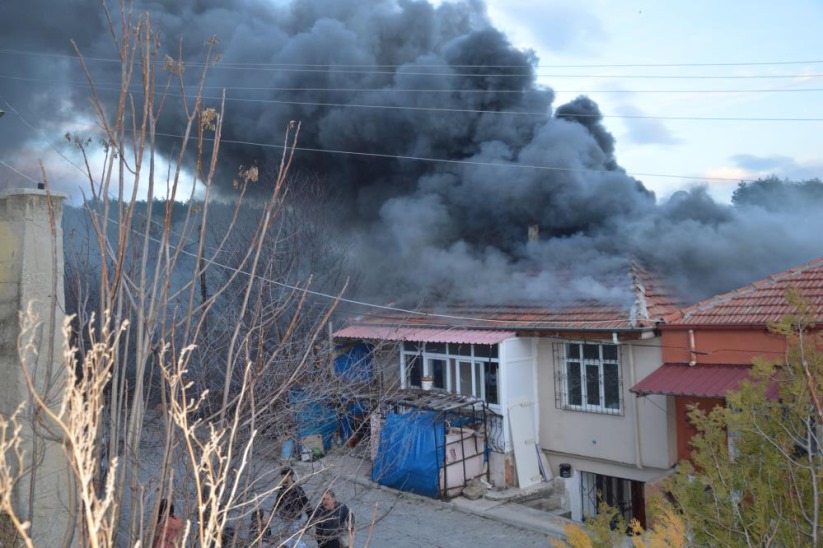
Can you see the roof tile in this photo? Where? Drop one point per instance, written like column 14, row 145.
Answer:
column 761, row 302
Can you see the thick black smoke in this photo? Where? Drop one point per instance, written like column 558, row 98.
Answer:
column 401, row 81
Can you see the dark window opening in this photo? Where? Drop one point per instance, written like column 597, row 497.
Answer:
column 623, row 494
column 414, row 370
column 439, row 373
column 490, row 375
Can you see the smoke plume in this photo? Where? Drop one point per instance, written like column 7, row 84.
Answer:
column 434, row 136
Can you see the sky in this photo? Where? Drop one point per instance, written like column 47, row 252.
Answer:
column 568, row 34
column 737, row 60
column 442, row 133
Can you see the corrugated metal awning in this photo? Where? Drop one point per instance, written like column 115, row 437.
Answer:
column 424, row 334
column 700, row 381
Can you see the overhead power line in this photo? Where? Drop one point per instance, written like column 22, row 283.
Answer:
column 493, row 112
column 345, row 65
column 514, row 112
column 336, row 297
column 406, row 157
column 463, row 162
column 17, row 171
column 117, row 85
column 339, row 298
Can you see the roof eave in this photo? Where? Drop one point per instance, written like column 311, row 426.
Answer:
column 713, row 326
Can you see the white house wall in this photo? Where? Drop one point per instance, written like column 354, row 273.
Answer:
column 518, row 362
column 603, row 437
column 656, row 418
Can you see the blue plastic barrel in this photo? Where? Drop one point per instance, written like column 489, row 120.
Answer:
column 287, row 449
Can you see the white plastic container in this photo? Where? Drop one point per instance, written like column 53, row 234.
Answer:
column 464, row 460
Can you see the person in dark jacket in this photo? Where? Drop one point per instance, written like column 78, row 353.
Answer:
column 334, row 523
column 291, row 501
column 289, row 507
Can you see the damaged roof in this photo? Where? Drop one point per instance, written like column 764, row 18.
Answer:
column 651, row 302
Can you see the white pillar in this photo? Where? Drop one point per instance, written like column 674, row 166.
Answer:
column 31, row 279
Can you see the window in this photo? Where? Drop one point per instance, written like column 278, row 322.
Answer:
column 466, row 369
column 490, row 382
column 414, row 370
column 437, row 369
column 588, row 377
column 622, row 494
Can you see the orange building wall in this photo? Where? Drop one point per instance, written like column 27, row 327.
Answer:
column 714, row 346
column 722, row 346
column 685, row 429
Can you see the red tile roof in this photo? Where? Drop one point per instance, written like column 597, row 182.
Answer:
column 761, row 302
column 650, row 303
column 701, row 381
column 584, row 316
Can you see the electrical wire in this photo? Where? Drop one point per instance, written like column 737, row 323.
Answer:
column 512, row 112
column 544, row 114
column 410, row 312
column 43, row 135
column 450, row 161
column 519, row 66
column 17, row 171
column 292, row 287
column 465, row 162
column 117, row 86
column 315, row 293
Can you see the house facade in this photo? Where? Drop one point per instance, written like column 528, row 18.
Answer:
column 708, row 348
column 557, row 381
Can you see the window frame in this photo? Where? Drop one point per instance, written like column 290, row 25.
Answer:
column 454, row 359
column 603, row 372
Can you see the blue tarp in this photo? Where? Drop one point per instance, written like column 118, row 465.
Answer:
column 408, row 457
column 353, row 362
column 352, row 416
column 313, row 417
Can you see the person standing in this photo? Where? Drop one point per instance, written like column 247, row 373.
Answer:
column 169, row 527
column 289, row 507
column 334, row 523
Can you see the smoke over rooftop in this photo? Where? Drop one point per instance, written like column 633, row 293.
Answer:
column 380, row 85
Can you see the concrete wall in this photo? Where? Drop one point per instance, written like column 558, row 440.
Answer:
column 31, row 279
column 642, row 437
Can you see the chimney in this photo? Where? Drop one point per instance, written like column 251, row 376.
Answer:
column 534, row 233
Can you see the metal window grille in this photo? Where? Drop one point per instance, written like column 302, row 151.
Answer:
column 615, row 492
column 588, row 377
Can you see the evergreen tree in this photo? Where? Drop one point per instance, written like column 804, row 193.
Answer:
column 757, row 472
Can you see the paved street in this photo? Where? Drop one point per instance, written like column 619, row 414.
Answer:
column 400, row 520
column 405, row 520
column 409, row 522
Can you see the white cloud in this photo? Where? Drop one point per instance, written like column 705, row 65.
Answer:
column 641, row 130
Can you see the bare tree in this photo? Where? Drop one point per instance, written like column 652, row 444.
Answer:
column 156, row 299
